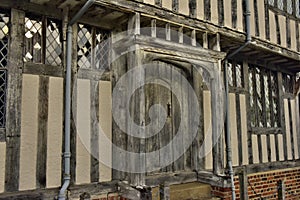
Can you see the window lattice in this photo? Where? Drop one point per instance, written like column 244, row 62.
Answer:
column 289, row 6
column 234, row 73
column 4, row 35
column 297, row 4
column 33, row 40
column 280, row 4
column 53, row 43
column 93, row 47
column 263, row 91
column 271, row 2
column 3, row 84
column 4, row 32
column 42, row 41
column 287, row 83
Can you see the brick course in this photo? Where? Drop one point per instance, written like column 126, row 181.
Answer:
column 264, row 185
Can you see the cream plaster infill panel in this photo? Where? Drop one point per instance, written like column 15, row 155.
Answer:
column 29, row 132
column 55, row 132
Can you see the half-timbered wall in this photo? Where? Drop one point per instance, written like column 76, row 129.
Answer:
column 269, row 21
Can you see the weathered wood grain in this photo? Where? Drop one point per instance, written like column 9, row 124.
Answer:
column 14, row 91
column 94, row 107
column 41, row 162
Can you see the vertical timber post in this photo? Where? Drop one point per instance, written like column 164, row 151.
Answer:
column 13, row 107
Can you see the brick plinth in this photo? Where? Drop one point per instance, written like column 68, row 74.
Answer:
column 265, row 185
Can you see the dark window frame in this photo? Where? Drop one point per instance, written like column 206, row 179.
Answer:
column 4, row 53
column 289, row 8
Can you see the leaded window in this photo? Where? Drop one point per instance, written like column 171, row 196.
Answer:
column 4, row 44
column 287, row 83
column 263, row 93
column 290, row 7
column 235, row 75
column 42, row 40
column 93, row 47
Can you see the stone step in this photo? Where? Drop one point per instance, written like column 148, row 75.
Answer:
column 187, row 191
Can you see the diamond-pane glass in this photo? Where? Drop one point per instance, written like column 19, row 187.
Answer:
column 239, row 75
column 102, row 50
column 84, row 45
column 230, row 74
column 287, row 81
column 4, row 33
column 53, row 43
column 33, row 40
column 297, row 4
column 271, row 2
column 280, row 4
column 3, row 79
column 274, row 98
column 289, row 6
column 263, row 92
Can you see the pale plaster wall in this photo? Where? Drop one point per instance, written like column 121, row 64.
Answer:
column 233, row 130
column 264, row 148
column 293, row 35
column 167, row 4
column 255, row 149
column 244, row 129
column 280, row 146
column 105, row 122
column 261, row 19
column 272, row 26
column 295, row 134
column 282, row 25
column 29, row 132
column 214, row 11
column 184, row 7
column 200, row 9
column 240, row 16
column 273, row 148
column 83, row 156
column 288, row 133
column 55, row 132
column 2, row 165
column 207, row 126
column 252, row 18
column 152, row 2
column 227, row 14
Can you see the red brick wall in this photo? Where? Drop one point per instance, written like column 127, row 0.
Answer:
column 265, row 185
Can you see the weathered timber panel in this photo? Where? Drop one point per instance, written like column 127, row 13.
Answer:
column 29, row 131
column 55, row 133
column 83, row 132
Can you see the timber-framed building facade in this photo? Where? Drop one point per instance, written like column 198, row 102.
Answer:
column 186, row 45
